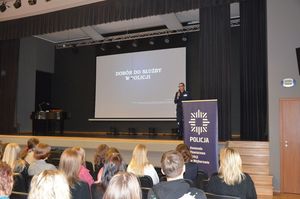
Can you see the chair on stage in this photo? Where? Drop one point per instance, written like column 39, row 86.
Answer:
column 216, row 196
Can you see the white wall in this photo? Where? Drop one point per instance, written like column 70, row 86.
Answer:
column 283, row 37
column 34, row 54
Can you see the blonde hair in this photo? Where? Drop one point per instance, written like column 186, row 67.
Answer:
column 42, row 151
column 19, row 166
column 231, row 166
column 50, row 184
column 11, row 154
column 70, row 162
column 139, row 160
column 81, row 153
column 123, row 186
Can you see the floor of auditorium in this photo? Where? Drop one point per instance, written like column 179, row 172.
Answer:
column 286, row 196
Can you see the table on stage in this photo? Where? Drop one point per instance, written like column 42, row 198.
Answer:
column 45, row 121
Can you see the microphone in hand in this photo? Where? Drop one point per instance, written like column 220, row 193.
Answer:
column 178, row 94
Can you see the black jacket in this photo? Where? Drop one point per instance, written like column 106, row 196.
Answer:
column 185, row 95
column 244, row 190
column 174, row 190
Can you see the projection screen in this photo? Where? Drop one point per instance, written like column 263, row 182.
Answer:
column 139, row 85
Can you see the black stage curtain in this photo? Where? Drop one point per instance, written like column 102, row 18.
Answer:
column 92, row 14
column 215, row 59
column 9, row 58
column 253, row 70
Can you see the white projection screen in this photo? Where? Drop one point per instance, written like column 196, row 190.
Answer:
column 139, row 85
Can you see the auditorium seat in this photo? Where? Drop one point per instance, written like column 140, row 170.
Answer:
column 18, row 195
column 216, row 196
column 202, row 180
column 146, row 184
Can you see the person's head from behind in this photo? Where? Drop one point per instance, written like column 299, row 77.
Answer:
column 112, row 167
column 100, row 154
column 50, row 184
column 70, row 162
column 11, row 154
column 81, row 153
column 230, row 169
column 139, row 159
column 123, row 186
column 181, row 87
column 109, row 152
column 6, row 179
column 32, row 142
column 172, row 165
column 185, row 152
column 42, row 151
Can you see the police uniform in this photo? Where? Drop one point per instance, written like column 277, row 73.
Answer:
column 185, row 95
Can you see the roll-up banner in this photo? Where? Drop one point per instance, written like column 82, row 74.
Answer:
column 200, row 119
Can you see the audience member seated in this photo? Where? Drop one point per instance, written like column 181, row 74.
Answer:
column 84, row 173
column 20, row 176
column 41, row 153
column 6, row 180
column 191, row 168
column 231, row 180
column 11, row 154
column 99, row 158
column 139, row 164
column 50, row 184
column 70, row 163
column 28, row 152
column 123, row 186
column 173, row 167
column 113, row 165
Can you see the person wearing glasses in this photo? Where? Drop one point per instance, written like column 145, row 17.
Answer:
column 181, row 95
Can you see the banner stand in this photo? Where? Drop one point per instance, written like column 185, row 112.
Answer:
column 200, row 118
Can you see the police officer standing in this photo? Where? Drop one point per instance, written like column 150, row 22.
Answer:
column 181, row 95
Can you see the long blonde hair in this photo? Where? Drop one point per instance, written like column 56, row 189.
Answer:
column 81, row 153
column 70, row 162
column 50, row 184
column 139, row 160
column 11, row 154
column 231, row 166
column 123, row 186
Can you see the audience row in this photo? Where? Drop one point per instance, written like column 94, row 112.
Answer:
column 110, row 178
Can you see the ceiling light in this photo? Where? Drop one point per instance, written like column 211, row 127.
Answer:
column 118, row 45
column 31, row 2
column 102, row 47
column 184, row 38
column 3, row 7
column 17, row 4
column 167, row 40
column 135, row 44
column 151, row 41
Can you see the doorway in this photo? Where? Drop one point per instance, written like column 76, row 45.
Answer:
column 290, row 145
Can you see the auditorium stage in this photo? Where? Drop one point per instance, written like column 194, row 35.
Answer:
column 155, row 145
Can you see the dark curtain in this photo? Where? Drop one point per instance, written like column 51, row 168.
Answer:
column 9, row 58
column 215, row 59
column 253, row 70
column 92, row 14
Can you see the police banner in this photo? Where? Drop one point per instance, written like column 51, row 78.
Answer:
column 200, row 118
